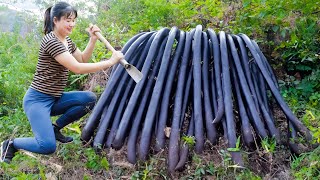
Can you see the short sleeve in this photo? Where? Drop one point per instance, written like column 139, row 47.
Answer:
column 54, row 47
column 73, row 47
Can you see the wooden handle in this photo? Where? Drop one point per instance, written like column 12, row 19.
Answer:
column 123, row 62
column 104, row 40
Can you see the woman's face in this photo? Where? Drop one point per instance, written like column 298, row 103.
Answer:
column 65, row 25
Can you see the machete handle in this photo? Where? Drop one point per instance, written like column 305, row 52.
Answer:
column 123, row 62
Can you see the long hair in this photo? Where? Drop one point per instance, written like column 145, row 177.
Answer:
column 59, row 10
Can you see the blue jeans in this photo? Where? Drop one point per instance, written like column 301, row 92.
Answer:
column 39, row 107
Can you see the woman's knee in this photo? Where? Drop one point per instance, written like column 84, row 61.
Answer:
column 90, row 99
column 48, row 147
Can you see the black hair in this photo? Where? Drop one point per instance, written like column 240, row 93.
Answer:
column 59, row 10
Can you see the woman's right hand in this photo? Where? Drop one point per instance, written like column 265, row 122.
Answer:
column 116, row 57
column 92, row 30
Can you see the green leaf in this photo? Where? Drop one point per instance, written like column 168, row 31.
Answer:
column 283, row 33
column 238, row 142
column 275, row 28
column 233, row 149
column 105, row 163
column 246, row 3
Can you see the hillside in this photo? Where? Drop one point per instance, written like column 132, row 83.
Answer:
column 11, row 20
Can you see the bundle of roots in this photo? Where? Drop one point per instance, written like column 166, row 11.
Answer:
column 200, row 84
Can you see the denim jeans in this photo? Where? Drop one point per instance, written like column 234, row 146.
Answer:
column 39, row 107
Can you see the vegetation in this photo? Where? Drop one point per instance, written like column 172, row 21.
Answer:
column 287, row 31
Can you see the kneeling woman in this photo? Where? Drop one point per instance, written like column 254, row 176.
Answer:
column 45, row 97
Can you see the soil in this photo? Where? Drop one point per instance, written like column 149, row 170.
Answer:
column 98, row 79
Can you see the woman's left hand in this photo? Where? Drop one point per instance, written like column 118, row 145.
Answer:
column 91, row 30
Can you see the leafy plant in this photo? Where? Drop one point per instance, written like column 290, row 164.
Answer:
column 307, row 165
column 147, row 170
column 226, row 157
column 199, row 171
column 96, row 162
column 269, row 144
column 312, row 120
column 75, row 81
column 237, row 148
column 189, row 140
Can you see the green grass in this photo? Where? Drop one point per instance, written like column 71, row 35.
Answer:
column 307, row 166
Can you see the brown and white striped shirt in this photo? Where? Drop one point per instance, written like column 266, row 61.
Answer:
column 50, row 76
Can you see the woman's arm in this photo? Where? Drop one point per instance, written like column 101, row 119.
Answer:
column 84, row 57
column 71, row 63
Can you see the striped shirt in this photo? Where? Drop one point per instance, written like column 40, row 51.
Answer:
column 50, row 76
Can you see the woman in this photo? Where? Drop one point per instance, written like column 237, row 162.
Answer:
column 45, row 97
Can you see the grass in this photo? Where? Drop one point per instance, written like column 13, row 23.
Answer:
column 307, row 166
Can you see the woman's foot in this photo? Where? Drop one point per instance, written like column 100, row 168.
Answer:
column 7, row 151
column 60, row 137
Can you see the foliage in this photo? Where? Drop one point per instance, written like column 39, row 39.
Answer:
column 149, row 15
column 237, row 148
column 189, row 140
column 269, row 144
column 303, row 97
column 307, row 166
column 289, row 31
column 18, row 59
column 312, row 119
column 291, row 28
column 149, row 170
column 212, row 170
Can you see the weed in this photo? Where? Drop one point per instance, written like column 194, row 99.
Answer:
column 211, row 169
column 189, row 140
column 307, row 166
column 269, row 144
column 312, row 120
column 144, row 174
column 237, row 148
column 94, row 161
column 247, row 175
column 75, row 81
column 226, row 157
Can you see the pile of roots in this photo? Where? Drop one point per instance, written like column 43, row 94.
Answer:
column 200, row 84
